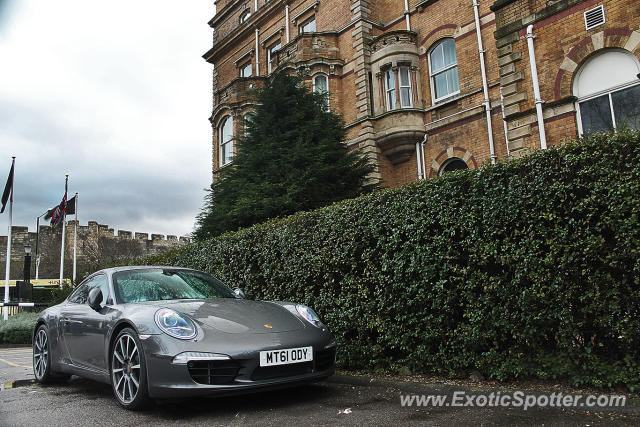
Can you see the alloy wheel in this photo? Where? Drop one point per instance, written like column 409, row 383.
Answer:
column 126, row 368
column 40, row 353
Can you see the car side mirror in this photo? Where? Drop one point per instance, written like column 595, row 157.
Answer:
column 239, row 293
column 95, row 299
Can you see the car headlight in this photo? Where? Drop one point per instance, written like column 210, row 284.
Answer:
column 174, row 324
column 309, row 315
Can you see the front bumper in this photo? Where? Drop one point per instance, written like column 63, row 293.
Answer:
column 242, row 372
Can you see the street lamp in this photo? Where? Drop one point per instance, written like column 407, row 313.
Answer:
column 27, row 263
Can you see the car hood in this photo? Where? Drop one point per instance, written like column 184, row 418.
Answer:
column 237, row 315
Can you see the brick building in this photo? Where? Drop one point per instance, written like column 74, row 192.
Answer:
column 427, row 86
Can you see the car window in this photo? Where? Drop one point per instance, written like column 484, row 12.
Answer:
column 167, row 284
column 100, row 281
column 80, row 295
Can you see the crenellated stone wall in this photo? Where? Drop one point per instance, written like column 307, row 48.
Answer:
column 48, row 237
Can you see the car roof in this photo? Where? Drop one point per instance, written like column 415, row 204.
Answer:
column 112, row 270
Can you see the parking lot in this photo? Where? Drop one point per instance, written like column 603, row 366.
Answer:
column 342, row 400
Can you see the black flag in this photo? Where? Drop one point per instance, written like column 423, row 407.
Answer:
column 71, row 206
column 7, row 188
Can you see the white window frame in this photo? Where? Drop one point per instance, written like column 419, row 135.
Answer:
column 244, row 16
column 243, row 68
column 609, row 92
column 270, row 51
column 433, row 75
column 225, row 145
column 305, row 23
column 400, row 87
column 397, row 88
column 388, row 91
column 327, row 92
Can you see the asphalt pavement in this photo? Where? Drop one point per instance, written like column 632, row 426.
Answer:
column 341, row 400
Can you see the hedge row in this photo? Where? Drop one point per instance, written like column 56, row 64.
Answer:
column 522, row 269
column 18, row 329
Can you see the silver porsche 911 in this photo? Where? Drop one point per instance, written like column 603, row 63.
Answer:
column 164, row 332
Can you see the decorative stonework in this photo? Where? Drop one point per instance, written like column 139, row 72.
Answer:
column 393, row 38
column 621, row 38
column 451, row 152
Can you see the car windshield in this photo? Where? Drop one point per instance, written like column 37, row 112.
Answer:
column 167, row 284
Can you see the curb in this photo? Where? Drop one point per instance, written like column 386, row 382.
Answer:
column 16, row 383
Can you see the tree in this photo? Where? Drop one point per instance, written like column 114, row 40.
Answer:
column 291, row 158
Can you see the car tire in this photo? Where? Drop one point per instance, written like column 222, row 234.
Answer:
column 42, row 369
column 128, row 371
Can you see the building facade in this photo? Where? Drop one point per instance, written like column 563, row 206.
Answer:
column 428, row 86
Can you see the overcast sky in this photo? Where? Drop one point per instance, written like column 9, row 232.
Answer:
column 117, row 95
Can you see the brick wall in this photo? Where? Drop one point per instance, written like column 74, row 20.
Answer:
column 458, row 125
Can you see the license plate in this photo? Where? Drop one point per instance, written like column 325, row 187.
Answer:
column 286, row 356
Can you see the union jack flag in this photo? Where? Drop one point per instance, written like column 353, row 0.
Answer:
column 56, row 214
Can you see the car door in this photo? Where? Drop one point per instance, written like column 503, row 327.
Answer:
column 85, row 329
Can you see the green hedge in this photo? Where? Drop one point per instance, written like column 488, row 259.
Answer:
column 528, row 268
column 18, row 329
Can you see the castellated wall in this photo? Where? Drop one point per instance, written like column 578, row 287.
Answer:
column 97, row 245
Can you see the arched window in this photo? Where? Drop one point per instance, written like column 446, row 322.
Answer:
column 321, row 86
column 245, row 16
column 225, row 137
column 453, row 164
column 608, row 92
column 443, row 67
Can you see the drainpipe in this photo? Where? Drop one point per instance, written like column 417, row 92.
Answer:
column 422, row 171
column 536, row 87
column 406, row 14
column 257, row 53
column 424, row 167
column 485, row 88
column 286, row 18
column 504, row 122
column 419, row 161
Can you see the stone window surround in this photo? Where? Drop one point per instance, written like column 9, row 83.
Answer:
column 305, row 22
column 242, row 61
column 245, row 14
column 382, row 85
column 306, row 13
column 440, row 160
column 269, row 41
column 608, row 92
column 243, row 66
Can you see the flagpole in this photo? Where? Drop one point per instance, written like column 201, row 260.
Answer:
column 8, row 258
column 64, row 228
column 75, row 237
